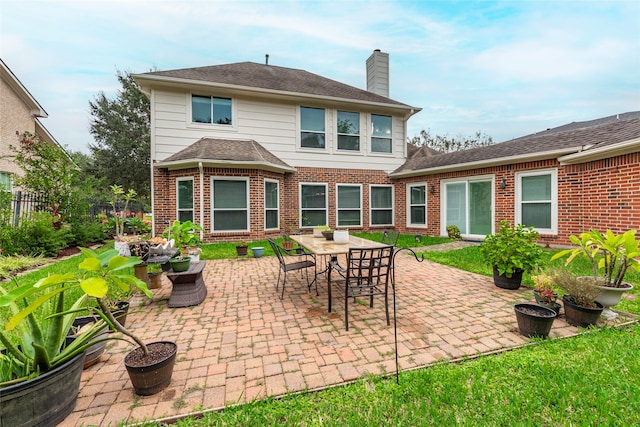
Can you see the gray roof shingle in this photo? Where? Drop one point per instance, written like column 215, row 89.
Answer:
column 228, row 151
column 595, row 135
column 251, row 74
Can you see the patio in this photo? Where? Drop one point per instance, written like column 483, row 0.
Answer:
column 243, row 343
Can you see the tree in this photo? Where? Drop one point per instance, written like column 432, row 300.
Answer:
column 444, row 144
column 48, row 170
column 120, row 127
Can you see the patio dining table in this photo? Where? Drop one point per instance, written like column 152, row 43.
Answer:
column 323, row 247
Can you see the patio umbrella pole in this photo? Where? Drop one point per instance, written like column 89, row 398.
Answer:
column 393, row 285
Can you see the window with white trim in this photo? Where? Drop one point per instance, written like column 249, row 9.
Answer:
column 380, row 134
column 381, row 204
column 312, row 127
column 229, row 204
column 537, row 200
column 313, row 204
column 184, row 199
column 271, row 204
column 211, row 109
column 349, row 205
column 417, row 205
column 5, row 182
column 348, row 131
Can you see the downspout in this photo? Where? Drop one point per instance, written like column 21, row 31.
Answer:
column 201, row 200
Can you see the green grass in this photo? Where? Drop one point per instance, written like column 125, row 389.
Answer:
column 588, row 380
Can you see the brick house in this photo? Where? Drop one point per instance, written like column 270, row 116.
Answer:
column 19, row 112
column 254, row 150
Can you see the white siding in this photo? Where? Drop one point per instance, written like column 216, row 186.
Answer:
column 272, row 124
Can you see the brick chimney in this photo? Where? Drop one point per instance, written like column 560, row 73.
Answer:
column 378, row 73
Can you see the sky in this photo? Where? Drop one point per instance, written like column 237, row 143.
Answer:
column 503, row 68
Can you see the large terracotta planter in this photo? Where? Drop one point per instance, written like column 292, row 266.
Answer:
column 45, row 400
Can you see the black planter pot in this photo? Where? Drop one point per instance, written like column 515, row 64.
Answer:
column 505, row 282
column 578, row 315
column 242, row 250
column 555, row 306
column 45, row 400
column 153, row 377
column 94, row 352
column 534, row 320
column 120, row 311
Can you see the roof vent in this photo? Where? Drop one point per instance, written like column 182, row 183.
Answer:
column 266, row 59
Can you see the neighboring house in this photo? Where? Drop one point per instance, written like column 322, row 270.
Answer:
column 19, row 112
column 253, row 150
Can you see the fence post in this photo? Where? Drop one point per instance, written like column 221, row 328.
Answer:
column 16, row 210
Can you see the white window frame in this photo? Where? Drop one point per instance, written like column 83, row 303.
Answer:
column 300, row 129
column 371, row 208
column 466, row 181
column 359, row 186
column 553, row 201
column 326, row 202
column 410, row 205
column 372, row 136
column 248, row 201
column 192, row 210
column 277, row 208
column 218, row 126
column 359, row 134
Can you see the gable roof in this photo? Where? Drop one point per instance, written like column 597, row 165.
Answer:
column 215, row 152
column 21, row 91
column 571, row 143
column 270, row 78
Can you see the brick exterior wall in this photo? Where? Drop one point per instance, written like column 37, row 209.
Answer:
column 600, row 194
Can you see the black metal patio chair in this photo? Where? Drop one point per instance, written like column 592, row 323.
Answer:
column 366, row 273
column 293, row 260
column 390, row 237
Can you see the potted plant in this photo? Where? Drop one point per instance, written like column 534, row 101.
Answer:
column 453, row 232
column 580, row 305
column 544, row 293
column 511, row 252
column 185, row 236
column 534, row 320
column 242, row 249
column 44, row 308
column 120, row 216
column 611, row 256
column 154, row 271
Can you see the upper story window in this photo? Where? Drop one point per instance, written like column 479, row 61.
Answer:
column 380, row 134
column 184, row 200
column 348, row 131
column 312, row 127
column 537, row 200
column 211, row 109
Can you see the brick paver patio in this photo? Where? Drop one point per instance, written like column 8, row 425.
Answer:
column 243, row 343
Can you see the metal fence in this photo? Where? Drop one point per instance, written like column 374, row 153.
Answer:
column 24, row 205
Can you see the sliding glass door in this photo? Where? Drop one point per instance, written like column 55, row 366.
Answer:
column 468, row 205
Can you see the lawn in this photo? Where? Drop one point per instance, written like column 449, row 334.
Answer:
column 592, row 379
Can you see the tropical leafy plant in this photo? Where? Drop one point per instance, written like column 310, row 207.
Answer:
column 35, row 333
column 184, row 233
column 611, row 256
column 512, row 249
